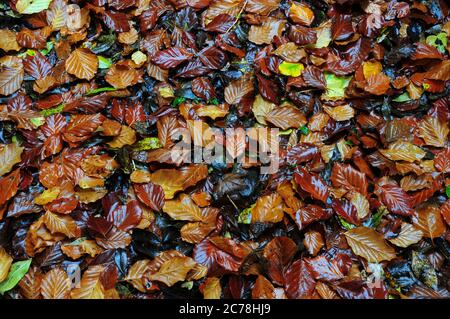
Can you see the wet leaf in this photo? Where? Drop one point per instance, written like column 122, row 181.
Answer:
column 369, row 244
column 82, row 63
column 16, row 273
column 56, row 285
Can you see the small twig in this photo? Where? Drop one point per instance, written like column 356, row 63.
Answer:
column 229, row 198
column 238, row 16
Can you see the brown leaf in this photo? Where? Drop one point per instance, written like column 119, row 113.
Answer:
column 408, row 235
column 11, row 74
column 82, row 63
column 396, row 200
column 30, row 285
column 433, row 131
column 429, row 221
column 56, row 285
column 10, row 155
column 127, row 136
column 344, row 175
column 238, row 89
column 403, row 151
column 61, row 224
column 263, row 289
column 8, row 40
column 312, row 184
column 378, row 84
column 279, row 253
column 183, row 209
column 268, row 209
column 369, row 244
column 9, row 185
column 150, row 194
column 286, row 117
column 299, row 281
column 122, row 76
column 173, row 270
column 171, row 58
column 173, row 180
column 90, row 286
column 264, row 33
column 81, row 127
column 313, row 242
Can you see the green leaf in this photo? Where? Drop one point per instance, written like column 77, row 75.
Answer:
column 304, row 130
column 438, row 41
column 291, row 69
column 214, row 101
column 148, row 143
column 447, row 191
column 177, row 101
column 16, row 273
column 402, row 98
column 188, row 285
column 104, row 63
column 375, row 219
column 345, row 224
column 30, row 52
column 287, row 132
column 52, row 111
column 336, row 85
column 32, row 6
column 101, row 90
column 245, row 217
column 37, row 121
column 48, row 48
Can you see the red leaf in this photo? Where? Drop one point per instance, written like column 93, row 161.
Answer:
column 172, row 57
column 37, row 65
column 346, row 210
column 203, row 88
column 116, row 21
column 268, row 89
column 212, row 57
column 279, row 253
column 299, row 281
column 344, row 175
column 309, row 214
column 302, row 35
column 221, row 23
column 312, row 184
column 151, row 195
column 9, row 185
column 326, row 269
column 396, row 200
column 425, row 51
column 342, row 27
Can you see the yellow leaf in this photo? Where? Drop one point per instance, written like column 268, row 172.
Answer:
column 183, row 209
column 56, row 285
column 212, row 288
column 371, row 68
column 173, row 270
column 5, row 264
column 403, row 151
column 127, row 136
column 291, row 69
column 301, row 14
column 408, row 235
column 47, row 196
column 10, row 155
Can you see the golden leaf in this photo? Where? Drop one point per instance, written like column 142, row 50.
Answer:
column 403, row 151
column 301, row 14
column 264, row 33
column 369, row 244
column 81, row 247
column 82, row 63
column 127, row 136
column 173, row 270
column 212, row 288
column 10, row 155
column 183, row 209
column 5, row 264
column 90, row 285
column 429, row 221
column 136, row 273
column 62, row 224
column 408, row 235
column 268, row 209
column 56, row 285
column 340, row 113
column 433, row 131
